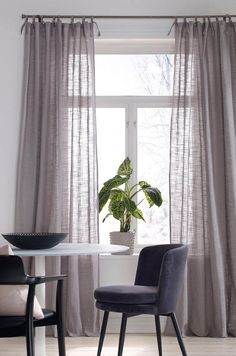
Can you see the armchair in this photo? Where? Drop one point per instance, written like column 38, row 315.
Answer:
column 12, row 273
column 158, row 282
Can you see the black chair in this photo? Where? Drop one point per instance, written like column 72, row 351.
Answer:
column 158, row 282
column 12, row 273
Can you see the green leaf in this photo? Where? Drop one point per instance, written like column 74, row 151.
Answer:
column 117, row 209
column 153, row 196
column 117, row 194
column 125, row 168
column 137, row 213
column 132, row 209
column 130, row 205
column 106, row 190
column 103, row 196
column 147, row 196
column 143, row 184
column 115, row 182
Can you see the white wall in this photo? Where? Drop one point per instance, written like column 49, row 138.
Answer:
column 11, row 45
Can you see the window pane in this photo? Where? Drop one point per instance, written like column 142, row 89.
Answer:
column 153, row 167
column 134, row 74
column 111, row 152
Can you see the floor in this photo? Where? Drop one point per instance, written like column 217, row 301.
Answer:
column 135, row 345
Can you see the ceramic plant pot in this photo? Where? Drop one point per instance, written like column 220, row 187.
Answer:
column 123, row 238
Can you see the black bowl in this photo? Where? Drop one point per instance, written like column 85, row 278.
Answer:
column 35, row 241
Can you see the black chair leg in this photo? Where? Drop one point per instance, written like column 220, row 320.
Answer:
column 158, row 333
column 30, row 341
column 122, row 334
column 61, row 339
column 60, row 320
column 103, row 332
column 178, row 334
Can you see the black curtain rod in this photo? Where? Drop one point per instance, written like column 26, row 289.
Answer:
column 39, row 17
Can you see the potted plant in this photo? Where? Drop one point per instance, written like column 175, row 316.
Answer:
column 122, row 204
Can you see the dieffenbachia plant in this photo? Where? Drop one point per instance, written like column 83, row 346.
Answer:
column 122, row 205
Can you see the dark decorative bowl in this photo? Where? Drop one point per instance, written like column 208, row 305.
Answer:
column 35, row 241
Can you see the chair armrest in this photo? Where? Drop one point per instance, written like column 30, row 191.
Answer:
column 45, row 279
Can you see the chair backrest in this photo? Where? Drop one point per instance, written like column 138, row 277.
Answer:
column 12, row 270
column 163, row 266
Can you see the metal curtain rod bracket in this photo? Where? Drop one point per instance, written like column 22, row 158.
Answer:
column 126, row 17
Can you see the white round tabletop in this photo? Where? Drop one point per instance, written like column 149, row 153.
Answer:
column 72, row 249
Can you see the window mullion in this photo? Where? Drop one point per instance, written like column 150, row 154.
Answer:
column 131, row 148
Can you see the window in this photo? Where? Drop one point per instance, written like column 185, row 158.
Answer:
column 133, row 119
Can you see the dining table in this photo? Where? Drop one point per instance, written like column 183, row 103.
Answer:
column 62, row 249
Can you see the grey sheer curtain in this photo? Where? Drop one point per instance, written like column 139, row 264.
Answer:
column 203, row 173
column 57, row 165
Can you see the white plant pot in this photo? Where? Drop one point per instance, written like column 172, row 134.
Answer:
column 123, row 238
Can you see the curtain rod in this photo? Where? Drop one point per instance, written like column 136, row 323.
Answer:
column 124, row 17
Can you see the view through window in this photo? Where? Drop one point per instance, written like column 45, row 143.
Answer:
column 133, row 119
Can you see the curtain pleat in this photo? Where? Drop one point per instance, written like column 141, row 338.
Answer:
column 57, row 164
column 203, row 174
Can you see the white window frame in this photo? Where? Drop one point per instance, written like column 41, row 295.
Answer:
column 131, row 104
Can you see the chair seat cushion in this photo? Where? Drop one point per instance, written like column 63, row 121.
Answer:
column 132, row 309
column 126, row 294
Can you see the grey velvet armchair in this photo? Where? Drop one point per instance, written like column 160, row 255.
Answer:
column 157, row 286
